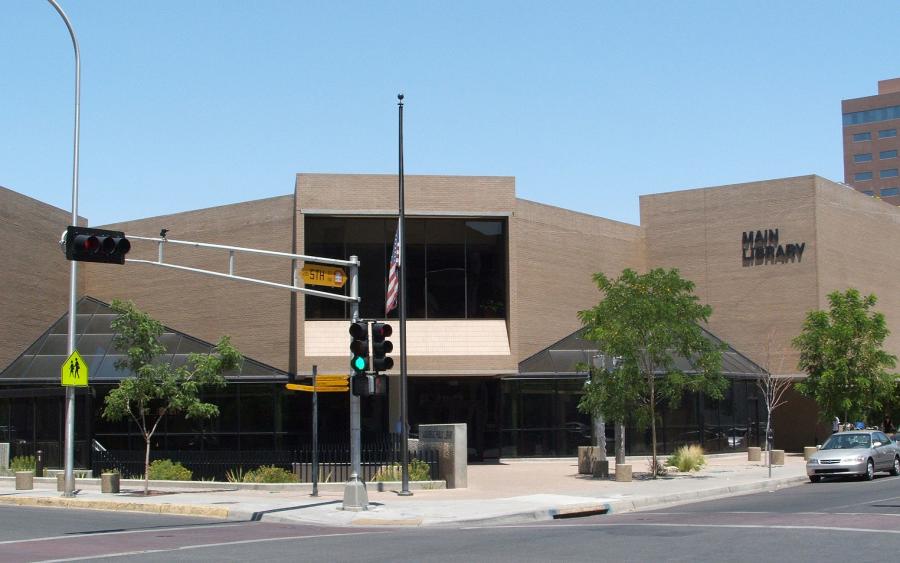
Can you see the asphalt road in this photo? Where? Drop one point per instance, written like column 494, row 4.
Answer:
column 837, row 521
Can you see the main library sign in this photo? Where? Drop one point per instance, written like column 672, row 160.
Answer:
column 763, row 247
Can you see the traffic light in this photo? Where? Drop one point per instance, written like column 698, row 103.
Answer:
column 359, row 347
column 361, row 385
column 381, row 347
column 85, row 244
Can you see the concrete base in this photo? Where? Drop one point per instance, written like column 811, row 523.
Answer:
column 777, row 457
column 356, row 498
column 600, row 469
column 808, row 452
column 109, row 482
column 754, row 454
column 24, row 480
column 623, row 472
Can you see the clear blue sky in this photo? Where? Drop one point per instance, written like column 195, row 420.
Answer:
column 189, row 104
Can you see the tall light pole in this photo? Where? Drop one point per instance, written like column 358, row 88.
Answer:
column 69, row 489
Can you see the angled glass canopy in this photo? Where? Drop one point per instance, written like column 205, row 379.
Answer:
column 40, row 363
column 561, row 358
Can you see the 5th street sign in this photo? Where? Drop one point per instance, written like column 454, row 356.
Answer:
column 330, row 276
column 73, row 371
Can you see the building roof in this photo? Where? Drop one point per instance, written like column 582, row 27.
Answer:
column 40, row 363
column 562, row 358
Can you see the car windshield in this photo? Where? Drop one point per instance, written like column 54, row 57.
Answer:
column 848, row 442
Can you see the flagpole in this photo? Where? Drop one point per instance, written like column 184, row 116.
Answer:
column 404, row 414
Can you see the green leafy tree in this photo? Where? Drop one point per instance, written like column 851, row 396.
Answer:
column 841, row 353
column 647, row 321
column 158, row 388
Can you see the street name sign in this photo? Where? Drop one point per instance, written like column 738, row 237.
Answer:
column 329, row 276
column 74, row 371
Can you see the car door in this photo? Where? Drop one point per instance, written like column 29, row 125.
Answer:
column 883, row 457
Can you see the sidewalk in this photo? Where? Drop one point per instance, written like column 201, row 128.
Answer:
column 507, row 492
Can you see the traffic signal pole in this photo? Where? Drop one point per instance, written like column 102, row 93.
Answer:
column 69, row 487
column 355, row 496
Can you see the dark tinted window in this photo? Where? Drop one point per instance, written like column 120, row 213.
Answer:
column 454, row 268
column 865, row 157
column 862, row 137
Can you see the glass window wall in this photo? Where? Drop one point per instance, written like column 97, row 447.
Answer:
column 454, row 268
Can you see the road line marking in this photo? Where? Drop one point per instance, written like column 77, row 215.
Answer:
column 831, row 508
column 76, row 535
column 205, row 545
column 672, row 525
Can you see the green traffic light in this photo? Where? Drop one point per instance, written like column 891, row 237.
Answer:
column 358, row 363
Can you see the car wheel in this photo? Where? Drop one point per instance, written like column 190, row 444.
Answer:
column 815, row 478
column 895, row 470
column 870, row 470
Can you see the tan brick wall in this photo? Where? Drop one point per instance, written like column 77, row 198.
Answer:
column 859, row 238
column 556, row 253
column 699, row 232
column 34, row 274
column 256, row 317
column 423, row 195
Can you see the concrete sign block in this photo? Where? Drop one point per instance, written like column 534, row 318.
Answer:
column 451, row 442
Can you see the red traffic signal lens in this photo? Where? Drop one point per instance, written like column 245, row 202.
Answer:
column 381, row 330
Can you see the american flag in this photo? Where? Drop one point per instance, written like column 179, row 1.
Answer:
column 393, row 287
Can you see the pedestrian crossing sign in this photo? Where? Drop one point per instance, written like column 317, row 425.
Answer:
column 74, row 371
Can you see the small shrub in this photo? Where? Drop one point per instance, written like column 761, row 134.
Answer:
column 22, row 463
column 418, row 471
column 166, row 470
column 235, row 475
column 269, row 474
column 687, row 458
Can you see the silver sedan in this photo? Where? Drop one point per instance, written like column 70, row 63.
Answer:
column 861, row 452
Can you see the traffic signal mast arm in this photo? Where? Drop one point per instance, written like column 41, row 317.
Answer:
column 233, row 250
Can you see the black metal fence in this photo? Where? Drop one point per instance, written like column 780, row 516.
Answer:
column 376, row 455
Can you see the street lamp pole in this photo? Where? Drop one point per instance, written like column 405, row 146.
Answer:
column 69, row 489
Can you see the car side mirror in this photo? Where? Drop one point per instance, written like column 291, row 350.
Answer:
column 876, row 444
column 819, row 447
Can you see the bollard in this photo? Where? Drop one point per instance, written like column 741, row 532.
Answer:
column 754, row 453
column 623, row 472
column 24, row 480
column 808, row 452
column 109, row 482
column 777, row 457
column 39, row 463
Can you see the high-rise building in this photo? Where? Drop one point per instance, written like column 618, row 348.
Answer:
column 871, row 144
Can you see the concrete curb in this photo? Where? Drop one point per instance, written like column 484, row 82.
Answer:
column 156, row 508
column 226, row 486
column 641, row 503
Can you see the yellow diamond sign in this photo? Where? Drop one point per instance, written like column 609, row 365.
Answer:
column 74, row 371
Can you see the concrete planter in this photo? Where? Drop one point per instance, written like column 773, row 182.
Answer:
column 777, row 457
column 109, row 482
column 585, row 458
column 623, row 472
column 754, row 454
column 24, row 480
column 600, row 469
column 808, row 452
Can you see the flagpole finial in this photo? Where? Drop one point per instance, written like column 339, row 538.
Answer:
column 400, row 97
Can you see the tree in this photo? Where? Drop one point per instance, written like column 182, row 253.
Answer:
column 841, row 353
column 773, row 387
column 647, row 321
column 158, row 388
